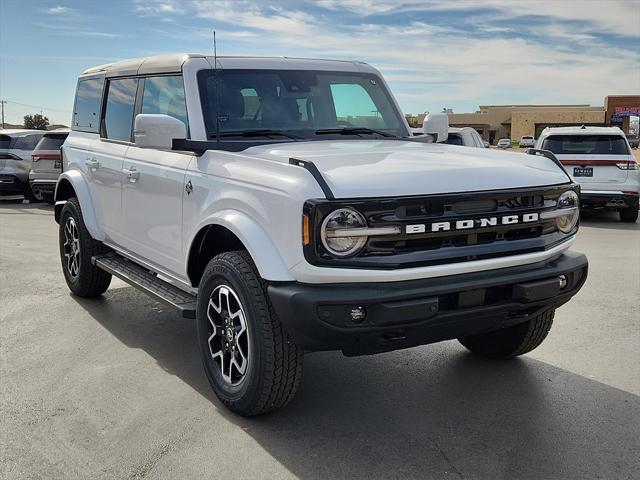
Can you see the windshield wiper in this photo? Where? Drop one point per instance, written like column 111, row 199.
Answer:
column 352, row 130
column 257, row 133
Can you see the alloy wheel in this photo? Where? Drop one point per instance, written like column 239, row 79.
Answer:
column 228, row 338
column 72, row 248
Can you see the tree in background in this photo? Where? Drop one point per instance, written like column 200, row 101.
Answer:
column 36, row 122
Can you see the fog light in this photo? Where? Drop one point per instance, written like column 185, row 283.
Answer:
column 358, row 314
column 562, row 280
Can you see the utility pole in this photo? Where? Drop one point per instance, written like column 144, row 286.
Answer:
column 2, row 102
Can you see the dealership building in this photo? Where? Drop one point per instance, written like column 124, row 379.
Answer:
column 513, row 121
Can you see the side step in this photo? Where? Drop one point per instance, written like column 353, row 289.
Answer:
column 148, row 282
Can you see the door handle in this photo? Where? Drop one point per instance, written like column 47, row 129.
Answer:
column 91, row 162
column 132, row 174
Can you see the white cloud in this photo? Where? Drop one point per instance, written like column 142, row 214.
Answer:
column 58, row 10
column 158, row 7
column 614, row 16
column 456, row 64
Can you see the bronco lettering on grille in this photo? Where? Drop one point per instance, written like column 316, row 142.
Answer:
column 472, row 223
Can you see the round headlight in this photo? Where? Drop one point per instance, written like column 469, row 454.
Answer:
column 334, row 229
column 570, row 203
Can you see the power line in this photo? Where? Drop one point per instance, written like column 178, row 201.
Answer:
column 39, row 107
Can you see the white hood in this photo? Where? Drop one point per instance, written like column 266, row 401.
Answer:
column 388, row 168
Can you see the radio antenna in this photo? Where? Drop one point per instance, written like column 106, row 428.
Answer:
column 217, row 80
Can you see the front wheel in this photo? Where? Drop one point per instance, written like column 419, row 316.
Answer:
column 511, row 341
column 251, row 362
column 629, row 215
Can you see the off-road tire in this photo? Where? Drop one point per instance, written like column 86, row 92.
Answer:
column 511, row 341
column 90, row 281
column 275, row 362
column 629, row 215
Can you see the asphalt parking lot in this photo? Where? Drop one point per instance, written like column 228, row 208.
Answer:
column 113, row 388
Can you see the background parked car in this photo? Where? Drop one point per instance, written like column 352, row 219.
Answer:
column 46, row 164
column 465, row 136
column 504, row 143
column 527, row 141
column 600, row 160
column 634, row 140
column 16, row 146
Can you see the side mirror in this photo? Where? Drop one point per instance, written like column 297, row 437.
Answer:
column 157, row 131
column 486, row 144
column 437, row 125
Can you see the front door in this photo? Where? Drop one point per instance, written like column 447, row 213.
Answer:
column 152, row 190
column 153, row 183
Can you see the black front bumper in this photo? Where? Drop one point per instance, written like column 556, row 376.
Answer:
column 417, row 312
column 592, row 200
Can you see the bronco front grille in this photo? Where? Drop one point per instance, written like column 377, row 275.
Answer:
column 430, row 247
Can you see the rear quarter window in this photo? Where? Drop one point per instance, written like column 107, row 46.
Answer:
column 586, row 145
column 86, row 112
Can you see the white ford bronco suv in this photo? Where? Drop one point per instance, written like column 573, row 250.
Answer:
column 283, row 204
column 601, row 161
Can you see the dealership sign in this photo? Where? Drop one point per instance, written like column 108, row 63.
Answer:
column 620, row 112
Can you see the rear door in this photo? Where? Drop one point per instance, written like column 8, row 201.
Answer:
column 591, row 159
column 153, row 183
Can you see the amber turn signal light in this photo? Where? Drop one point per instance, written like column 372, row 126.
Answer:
column 306, row 230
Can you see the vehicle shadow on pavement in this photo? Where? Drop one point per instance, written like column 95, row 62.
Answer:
column 428, row 412
column 606, row 220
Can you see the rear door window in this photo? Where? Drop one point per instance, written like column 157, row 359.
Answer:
column 165, row 95
column 86, row 112
column 118, row 114
column 586, row 145
column 5, row 141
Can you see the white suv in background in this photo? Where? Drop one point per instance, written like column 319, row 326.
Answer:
column 465, row 136
column 46, row 164
column 527, row 141
column 601, row 161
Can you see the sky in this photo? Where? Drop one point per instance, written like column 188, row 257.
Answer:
column 435, row 54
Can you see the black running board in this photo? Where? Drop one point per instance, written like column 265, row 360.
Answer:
column 148, row 282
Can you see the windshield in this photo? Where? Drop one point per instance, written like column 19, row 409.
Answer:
column 299, row 103
column 586, row 145
column 454, row 139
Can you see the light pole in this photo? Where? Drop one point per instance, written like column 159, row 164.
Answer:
column 2, row 102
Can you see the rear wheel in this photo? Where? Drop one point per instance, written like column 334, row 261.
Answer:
column 250, row 361
column 77, row 247
column 511, row 341
column 629, row 214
